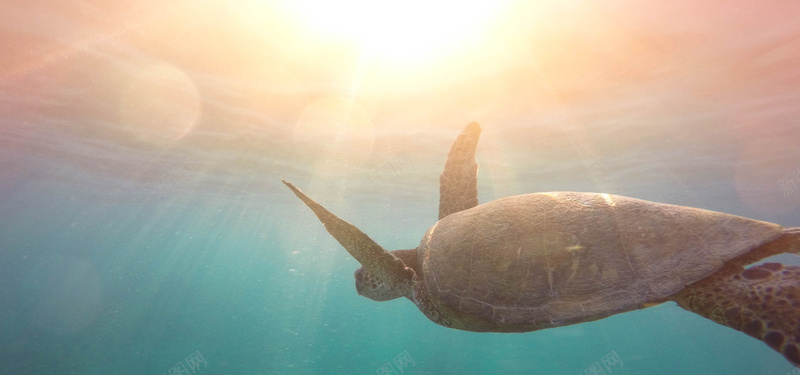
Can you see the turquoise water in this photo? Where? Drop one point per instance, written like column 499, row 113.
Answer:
column 144, row 228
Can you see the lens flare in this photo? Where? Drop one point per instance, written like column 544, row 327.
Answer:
column 160, row 104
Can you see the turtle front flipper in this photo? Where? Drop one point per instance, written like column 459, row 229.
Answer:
column 458, row 184
column 375, row 259
column 761, row 301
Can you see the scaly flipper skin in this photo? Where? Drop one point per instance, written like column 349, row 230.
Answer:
column 762, row 301
column 379, row 262
column 458, row 184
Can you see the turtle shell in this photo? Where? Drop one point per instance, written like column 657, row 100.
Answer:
column 543, row 260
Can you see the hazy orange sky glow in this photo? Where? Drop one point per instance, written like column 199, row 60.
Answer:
column 334, row 79
column 440, row 59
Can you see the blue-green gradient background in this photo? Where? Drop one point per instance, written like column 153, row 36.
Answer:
column 124, row 252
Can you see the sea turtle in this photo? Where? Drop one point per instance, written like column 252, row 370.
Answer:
column 544, row 260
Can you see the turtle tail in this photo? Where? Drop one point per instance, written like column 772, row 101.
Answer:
column 762, row 301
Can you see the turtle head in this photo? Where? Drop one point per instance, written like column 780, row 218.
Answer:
column 370, row 286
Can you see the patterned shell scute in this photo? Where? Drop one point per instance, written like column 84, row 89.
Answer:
column 550, row 259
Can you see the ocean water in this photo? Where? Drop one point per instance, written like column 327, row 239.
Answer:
column 144, row 228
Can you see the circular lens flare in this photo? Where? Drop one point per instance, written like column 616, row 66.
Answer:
column 160, row 104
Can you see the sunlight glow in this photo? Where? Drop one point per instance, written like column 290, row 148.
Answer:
column 410, row 31
column 338, row 131
column 160, row 103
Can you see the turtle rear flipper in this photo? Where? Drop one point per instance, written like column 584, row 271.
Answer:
column 761, row 301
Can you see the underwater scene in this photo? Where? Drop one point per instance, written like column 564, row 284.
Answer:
column 145, row 229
